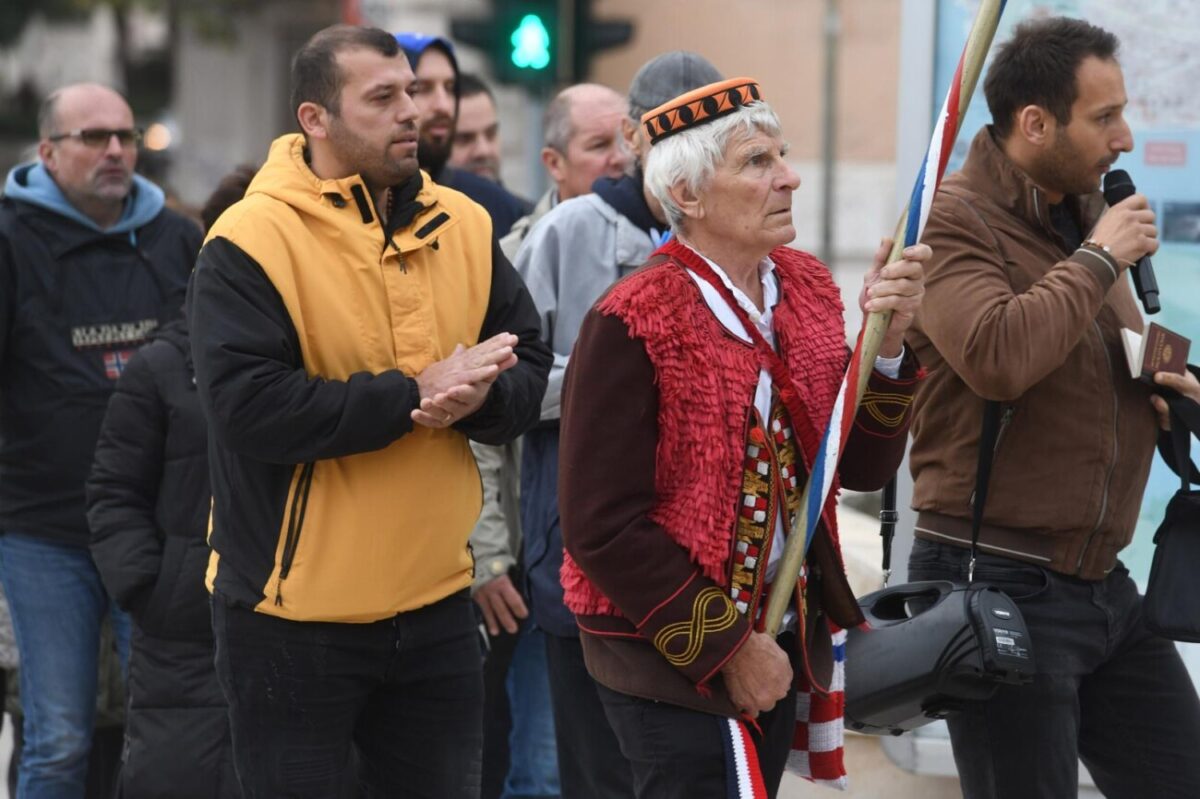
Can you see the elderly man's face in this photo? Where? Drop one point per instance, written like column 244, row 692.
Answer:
column 596, row 146
column 749, row 200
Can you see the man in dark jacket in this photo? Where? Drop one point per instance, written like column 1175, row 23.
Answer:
column 1024, row 306
column 353, row 324
column 436, row 93
column 90, row 263
column 148, row 503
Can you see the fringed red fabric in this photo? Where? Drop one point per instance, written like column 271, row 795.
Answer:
column 706, row 380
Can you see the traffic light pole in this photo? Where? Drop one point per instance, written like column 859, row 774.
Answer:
column 535, row 112
column 567, row 73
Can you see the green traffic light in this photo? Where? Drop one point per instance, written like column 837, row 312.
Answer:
column 531, row 43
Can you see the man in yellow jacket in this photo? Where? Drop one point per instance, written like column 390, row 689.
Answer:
column 353, row 325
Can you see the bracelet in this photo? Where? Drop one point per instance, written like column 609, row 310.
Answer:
column 1097, row 245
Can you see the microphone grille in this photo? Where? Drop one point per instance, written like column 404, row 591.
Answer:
column 1117, row 186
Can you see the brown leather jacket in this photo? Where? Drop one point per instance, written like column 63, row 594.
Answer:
column 1009, row 315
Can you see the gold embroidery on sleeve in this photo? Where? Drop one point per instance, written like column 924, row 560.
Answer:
column 888, row 410
column 680, row 643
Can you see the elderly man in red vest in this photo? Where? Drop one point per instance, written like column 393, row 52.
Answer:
column 696, row 395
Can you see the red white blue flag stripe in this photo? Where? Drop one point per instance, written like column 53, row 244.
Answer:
column 743, row 777
column 928, row 179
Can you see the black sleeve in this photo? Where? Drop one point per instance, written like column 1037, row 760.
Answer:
column 256, row 395
column 8, row 298
column 122, row 489
column 194, row 239
column 515, row 400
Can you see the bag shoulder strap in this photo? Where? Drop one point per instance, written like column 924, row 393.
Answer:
column 988, row 435
column 888, row 516
column 1174, row 447
column 988, row 438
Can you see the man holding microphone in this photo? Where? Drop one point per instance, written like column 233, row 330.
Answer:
column 1025, row 300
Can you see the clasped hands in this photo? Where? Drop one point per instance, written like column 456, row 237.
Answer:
column 456, row 386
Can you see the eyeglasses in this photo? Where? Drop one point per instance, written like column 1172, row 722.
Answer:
column 100, row 137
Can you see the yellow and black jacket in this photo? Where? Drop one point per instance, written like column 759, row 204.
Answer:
column 309, row 320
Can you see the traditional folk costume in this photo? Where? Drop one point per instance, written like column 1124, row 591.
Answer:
column 689, row 419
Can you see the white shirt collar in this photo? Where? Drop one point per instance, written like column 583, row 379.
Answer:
column 720, row 308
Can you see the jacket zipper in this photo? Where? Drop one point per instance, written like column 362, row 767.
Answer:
column 295, row 523
column 1112, row 463
column 390, row 242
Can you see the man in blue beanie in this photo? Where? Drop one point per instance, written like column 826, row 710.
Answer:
column 436, row 93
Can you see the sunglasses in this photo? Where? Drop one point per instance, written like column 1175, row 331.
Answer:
column 100, row 137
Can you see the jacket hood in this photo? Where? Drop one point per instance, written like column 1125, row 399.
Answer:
column 414, row 46
column 32, row 184
column 175, row 332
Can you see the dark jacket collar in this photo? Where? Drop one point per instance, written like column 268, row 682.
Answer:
column 625, row 195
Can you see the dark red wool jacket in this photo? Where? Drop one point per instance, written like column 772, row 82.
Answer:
column 656, row 406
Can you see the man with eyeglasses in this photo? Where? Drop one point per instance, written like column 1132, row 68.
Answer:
column 91, row 262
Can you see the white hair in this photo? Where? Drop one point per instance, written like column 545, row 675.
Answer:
column 691, row 156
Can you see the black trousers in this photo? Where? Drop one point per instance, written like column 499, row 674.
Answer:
column 1107, row 691
column 678, row 753
column 323, row 710
column 590, row 763
column 497, row 717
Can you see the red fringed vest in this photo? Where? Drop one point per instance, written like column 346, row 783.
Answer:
column 706, row 380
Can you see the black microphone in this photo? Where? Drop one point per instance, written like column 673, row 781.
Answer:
column 1117, row 186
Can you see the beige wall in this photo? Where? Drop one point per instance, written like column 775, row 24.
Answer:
column 781, row 43
column 231, row 97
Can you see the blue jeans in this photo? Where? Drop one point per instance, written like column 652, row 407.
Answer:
column 58, row 604
column 533, row 755
column 1107, row 691
column 542, row 543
